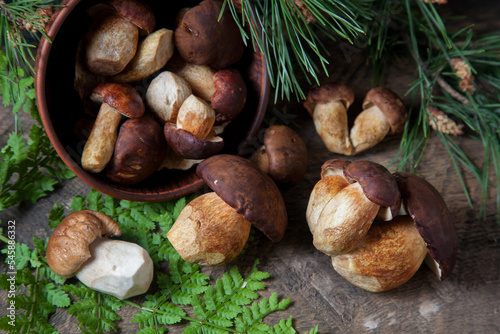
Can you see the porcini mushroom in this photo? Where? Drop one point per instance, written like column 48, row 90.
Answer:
column 112, row 40
column 207, row 37
column 139, row 151
column 78, row 247
column 283, row 156
column 245, row 192
column 116, row 100
column 384, row 114
column 165, row 95
column 328, row 105
column 344, row 203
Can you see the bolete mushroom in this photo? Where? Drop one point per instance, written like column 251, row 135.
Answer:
column 384, row 114
column 344, row 203
column 207, row 37
column 139, row 151
column 242, row 194
column 328, row 104
column 112, row 40
column 78, row 247
column 283, row 156
column 116, row 100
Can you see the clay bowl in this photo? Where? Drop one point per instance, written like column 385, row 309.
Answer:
column 60, row 106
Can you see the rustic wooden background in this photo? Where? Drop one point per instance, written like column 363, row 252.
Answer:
column 467, row 302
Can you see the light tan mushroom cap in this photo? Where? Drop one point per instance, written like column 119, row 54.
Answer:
column 68, row 246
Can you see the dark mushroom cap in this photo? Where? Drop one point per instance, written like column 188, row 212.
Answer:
column 287, row 154
column 188, row 146
column 378, row 184
column 230, row 95
column 203, row 39
column 136, row 12
column 334, row 166
column 390, row 105
column 122, row 97
column 250, row 192
column 432, row 218
column 328, row 92
column 136, row 159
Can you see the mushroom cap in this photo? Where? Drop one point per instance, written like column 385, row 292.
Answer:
column 248, row 190
column 121, row 97
column 334, row 167
column 287, row 154
column 187, row 145
column 433, row 220
column 202, row 38
column 328, row 92
column 378, row 184
column 134, row 160
column 68, row 246
column 230, row 95
column 137, row 12
column 390, row 105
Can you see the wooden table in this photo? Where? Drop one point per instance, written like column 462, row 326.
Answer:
column 467, row 302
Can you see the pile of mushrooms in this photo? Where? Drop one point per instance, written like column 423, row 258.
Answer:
column 193, row 91
column 79, row 246
column 379, row 227
column 383, row 114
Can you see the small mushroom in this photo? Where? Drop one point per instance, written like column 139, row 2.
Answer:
column 187, row 146
column 112, row 40
column 249, row 194
column 116, row 100
column 384, row 114
column 78, row 247
column 328, row 104
column 152, row 54
column 207, row 37
column 344, row 203
column 165, row 95
column 139, row 151
column 196, row 116
column 283, row 156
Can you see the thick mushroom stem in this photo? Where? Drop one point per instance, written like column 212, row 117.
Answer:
column 330, row 121
column 370, row 128
column 99, row 147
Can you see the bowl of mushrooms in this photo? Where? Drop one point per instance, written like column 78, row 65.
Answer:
column 135, row 94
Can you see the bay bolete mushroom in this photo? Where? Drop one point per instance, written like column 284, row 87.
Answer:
column 283, row 156
column 344, row 203
column 78, row 247
column 116, row 100
column 139, row 151
column 328, row 105
column 207, row 37
column 384, row 114
column 242, row 193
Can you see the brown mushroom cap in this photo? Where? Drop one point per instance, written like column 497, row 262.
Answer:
column 249, row 191
column 68, row 246
column 433, row 220
column 390, row 105
column 287, row 154
column 121, row 97
column 204, row 39
column 137, row 12
column 230, row 95
column 334, row 166
column 187, row 145
column 378, row 184
column 331, row 91
column 139, row 151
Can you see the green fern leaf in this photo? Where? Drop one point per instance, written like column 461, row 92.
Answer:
column 56, row 296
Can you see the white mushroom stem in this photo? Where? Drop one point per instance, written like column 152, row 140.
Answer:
column 330, row 120
column 118, row 268
column 370, row 127
column 100, row 145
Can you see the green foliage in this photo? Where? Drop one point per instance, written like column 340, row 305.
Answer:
column 180, row 296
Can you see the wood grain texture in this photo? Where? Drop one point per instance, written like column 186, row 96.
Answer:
column 466, row 302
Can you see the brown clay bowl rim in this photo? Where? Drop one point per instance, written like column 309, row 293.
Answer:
column 43, row 53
